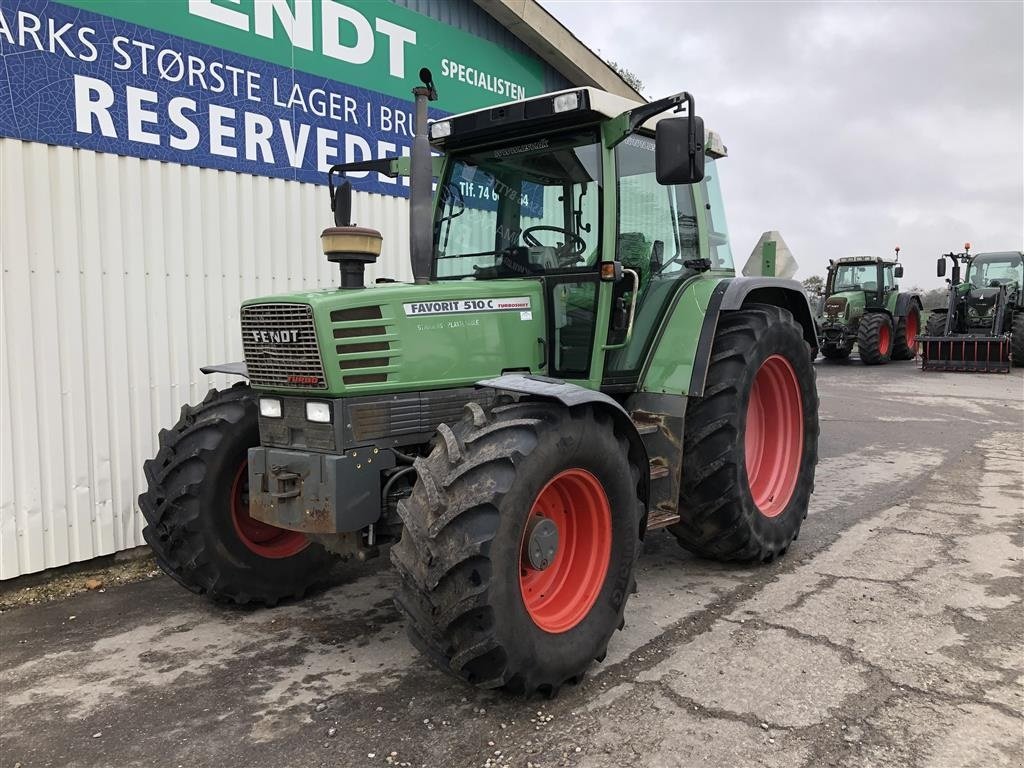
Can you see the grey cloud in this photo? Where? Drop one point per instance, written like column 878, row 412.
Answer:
column 852, row 127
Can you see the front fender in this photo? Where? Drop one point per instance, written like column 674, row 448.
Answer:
column 572, row 396
column 232, row 369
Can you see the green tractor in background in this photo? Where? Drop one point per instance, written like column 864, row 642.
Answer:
column 574, row 364
column 863, row 305
column 982, row 327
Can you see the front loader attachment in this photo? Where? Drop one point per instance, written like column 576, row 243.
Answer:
column 974, row 354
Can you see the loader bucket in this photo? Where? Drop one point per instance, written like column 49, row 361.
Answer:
column 974, row 354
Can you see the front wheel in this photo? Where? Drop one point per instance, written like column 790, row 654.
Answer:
column 519, row 543
column 197, row 510
column 751, row 442
column 1017, row 338
column 874, row 338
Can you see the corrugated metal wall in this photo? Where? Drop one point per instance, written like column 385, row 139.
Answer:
column 120, row 278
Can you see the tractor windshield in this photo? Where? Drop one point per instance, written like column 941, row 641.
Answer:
column 528, row 209
column 854, row 277
column 991, row 269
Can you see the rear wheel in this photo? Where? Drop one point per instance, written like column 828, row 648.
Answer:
column 751, row 442
column 197, row 510
column 936, row 325
column 905, row 345
column 519, row 544
column 875, row 338
column 835, row 353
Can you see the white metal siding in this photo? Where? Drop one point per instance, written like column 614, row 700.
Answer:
column 121, row 277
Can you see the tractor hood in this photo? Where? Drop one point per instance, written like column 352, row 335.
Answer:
column 838, row 305
column 393, row 337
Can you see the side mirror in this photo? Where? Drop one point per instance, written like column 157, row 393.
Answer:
column 940, row 267
column 679, row 150
column 898, row 271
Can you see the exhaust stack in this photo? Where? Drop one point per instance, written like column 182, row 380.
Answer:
column 420, row 182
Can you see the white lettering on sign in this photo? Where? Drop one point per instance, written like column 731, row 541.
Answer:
column 338, row 22
column 515, row 304
column 483, row 80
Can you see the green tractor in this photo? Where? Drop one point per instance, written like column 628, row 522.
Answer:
column 863, row 305
column 574, row 364
column 982, row 327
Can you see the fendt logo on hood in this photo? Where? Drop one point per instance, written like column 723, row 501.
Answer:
column 283, row 336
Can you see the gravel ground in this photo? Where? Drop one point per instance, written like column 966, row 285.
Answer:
column 890, row 635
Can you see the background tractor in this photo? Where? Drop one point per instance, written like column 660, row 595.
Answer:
column 574, row 364
column 982, row 327
column 863, row 305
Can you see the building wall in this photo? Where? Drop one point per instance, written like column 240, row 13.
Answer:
column 120, row 277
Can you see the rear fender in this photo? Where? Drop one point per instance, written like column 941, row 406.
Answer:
column 573, row 396
column 741, row 292
column 905, row 301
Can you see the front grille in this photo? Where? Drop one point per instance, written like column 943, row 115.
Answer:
column 835, row 306
column 280, row 346
column 366, row 345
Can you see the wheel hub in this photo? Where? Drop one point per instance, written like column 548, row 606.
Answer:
column 541, row 542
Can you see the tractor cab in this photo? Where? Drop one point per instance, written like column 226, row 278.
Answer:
column 867, row 282
column 569, row 191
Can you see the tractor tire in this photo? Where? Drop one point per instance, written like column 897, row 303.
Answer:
column 835, row 353
column 477, row 605
column 936, row 325
column 874, row 338
column 1017, row 338
column 196, row 510
column 907, row 328
column 751, row 442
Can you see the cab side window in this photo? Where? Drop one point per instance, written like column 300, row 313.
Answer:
column 890, row 281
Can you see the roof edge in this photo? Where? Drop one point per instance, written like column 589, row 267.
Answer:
column 554, row 43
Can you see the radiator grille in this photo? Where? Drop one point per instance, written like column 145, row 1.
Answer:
column 280, row 346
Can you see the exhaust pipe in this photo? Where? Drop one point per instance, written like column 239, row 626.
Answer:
column 421, row 241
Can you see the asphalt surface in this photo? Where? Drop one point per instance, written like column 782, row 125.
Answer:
column 890, row 635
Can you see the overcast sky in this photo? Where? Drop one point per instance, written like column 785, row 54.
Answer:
column 851, row 127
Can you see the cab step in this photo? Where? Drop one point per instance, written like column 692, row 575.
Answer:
column 661, row 518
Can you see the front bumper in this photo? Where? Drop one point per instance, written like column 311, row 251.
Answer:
column 317, row 492
column 835, row 334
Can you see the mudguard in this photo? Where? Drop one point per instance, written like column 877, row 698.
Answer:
column 572, row 395
column 232, row 369
column 735, row 293
column 904, row 302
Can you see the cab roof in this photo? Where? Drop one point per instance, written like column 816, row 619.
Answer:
column 538, row 114
column 862, row 260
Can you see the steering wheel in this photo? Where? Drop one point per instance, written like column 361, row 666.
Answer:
column 569, row 253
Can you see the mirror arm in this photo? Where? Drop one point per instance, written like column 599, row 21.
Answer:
column 637, row 116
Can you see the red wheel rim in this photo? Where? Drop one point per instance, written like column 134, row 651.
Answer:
column 560, row 596
column 264, row 540
column 912, row 327
column 774, row 437
column 884, row 339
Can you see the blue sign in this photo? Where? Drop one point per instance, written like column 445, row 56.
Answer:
column 76, row 78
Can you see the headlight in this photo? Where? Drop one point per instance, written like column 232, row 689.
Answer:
column 566, row 102
column 270, row 407
column 441, row 129
column 320, row 412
